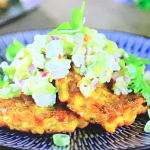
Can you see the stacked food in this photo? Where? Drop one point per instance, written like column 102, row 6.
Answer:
column 96, row 82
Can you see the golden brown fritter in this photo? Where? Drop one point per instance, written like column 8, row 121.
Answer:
column 24, row 115
column 102, row 107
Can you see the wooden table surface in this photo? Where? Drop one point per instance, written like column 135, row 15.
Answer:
column 100, row 14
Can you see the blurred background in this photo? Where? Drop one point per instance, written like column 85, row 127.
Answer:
column 131, row 16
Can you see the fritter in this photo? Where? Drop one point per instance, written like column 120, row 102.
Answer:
column 102, row 107
column 23, row 114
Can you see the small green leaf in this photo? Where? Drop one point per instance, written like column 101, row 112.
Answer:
column 29, row 93
column 139, row 83
column 53, row 32
column 13, row 49
column 135, row 69
column 132, row 59
column 10, row 71
column 77, row 17
column 68, row 47
column 63, row 26
column 56, row 90
column 51, row 104
column 144, row 60
column 131, row 69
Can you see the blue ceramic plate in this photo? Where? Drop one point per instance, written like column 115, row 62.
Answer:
column 93, row 137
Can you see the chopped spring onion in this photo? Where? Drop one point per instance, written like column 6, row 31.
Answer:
column 61, row 139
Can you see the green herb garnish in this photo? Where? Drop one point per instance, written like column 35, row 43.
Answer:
column 135, row 69
column 77, row 19
column 13, row 49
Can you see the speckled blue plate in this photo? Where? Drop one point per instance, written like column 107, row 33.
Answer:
column 93, row 137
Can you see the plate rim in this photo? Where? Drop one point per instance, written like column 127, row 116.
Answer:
column 98, row 29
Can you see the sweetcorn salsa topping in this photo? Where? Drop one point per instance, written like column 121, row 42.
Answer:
column 49, row 57
column 34, row 72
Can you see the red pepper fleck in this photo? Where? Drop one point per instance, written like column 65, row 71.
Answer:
column 20, row 58
column 44, row 74
column 85, row 85
column 59, row 56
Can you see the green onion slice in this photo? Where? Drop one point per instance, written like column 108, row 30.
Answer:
column 61, row 139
